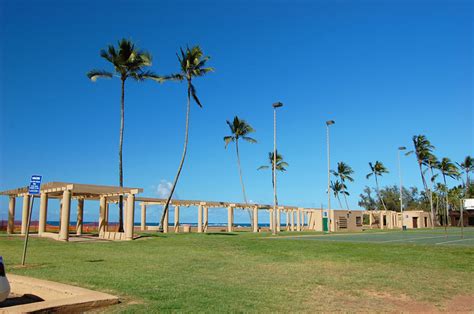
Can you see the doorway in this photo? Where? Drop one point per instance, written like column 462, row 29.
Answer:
column 415, row 222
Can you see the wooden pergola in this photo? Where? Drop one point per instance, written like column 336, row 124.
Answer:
column 296, row 217
column 64, row 192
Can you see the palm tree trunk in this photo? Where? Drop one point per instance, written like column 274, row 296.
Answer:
column 378, row 192
column 122, row 124
column 249, row 211
column 168, row 200
column 446, row 210
column 345, row 197
column 430, row 190
column 430, row 196
column 340, row 204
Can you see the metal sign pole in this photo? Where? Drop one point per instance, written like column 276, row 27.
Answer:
column 30, row 210
column 33, row 189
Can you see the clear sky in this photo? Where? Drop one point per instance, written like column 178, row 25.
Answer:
column 383, row 70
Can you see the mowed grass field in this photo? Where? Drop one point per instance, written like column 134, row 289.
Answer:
column 245, row 272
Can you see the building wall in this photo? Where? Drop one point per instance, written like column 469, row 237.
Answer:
column 423, row 219
column 345, row 220
column 316, row 220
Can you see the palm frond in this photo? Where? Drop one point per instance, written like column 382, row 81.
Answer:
column 263, row 167
column 95, row 74
column 193, row 93
column 249, row 139
column 228, row 139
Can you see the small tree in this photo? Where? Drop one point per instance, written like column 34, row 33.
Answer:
column 281, row 166
column 377, row 169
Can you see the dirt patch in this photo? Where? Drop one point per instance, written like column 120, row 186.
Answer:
column 404, row 303
column 460, row 304
column 401, row 302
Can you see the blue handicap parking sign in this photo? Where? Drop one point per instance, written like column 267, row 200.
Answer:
column 35, row 185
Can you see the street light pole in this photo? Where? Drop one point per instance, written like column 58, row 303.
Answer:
column 274, row 215
column 328, row 123
column 401, row 184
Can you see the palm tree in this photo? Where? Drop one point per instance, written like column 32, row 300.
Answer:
column 193, row 64
column 467, row 166
column 424, row 152
column 339, row 188
column 377, row 169
column 344, row 172
column 240, row 129
column 128, row 62
column 281, row 166
column 447, row 168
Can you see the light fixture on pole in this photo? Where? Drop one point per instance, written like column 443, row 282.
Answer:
column 401, row 185
column 274, row 216
column 328, row 123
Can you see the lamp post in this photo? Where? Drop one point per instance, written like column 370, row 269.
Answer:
column 401, row 186
column 274, row 216
column 328, row 123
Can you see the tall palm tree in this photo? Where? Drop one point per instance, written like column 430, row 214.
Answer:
column 128, row 62
column 467, row 166
column 281, row 166
column 339, row 188
column 377, row 169
column 240, row 130
column 192, row 64
column 344, row 172
column 423, row 150
column 447, row 169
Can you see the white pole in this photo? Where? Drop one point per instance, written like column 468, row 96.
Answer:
column 274, row 173
column 401, row 183
column 329, row 175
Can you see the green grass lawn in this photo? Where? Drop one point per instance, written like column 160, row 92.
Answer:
column 242, row 272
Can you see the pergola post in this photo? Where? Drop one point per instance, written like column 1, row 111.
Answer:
column 43, row 213
column 287, row 220
column 270, row 214
column 65, row 215
column 166, row 221
column 230, row 218
column 278, row 220
column 176, row 219
column 11, row 215
column 106, row 216
column 129, row 218
column 143, row 220
column 370, row 220
column 200, row 219
column 292, row 220
column 206, row 218
column 381, row 220
column 102, row 213
column 80, row 216
column 255, row 219
column 298, row 219
column 24, row 214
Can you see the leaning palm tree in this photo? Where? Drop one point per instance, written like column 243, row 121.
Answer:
column 447, row 168
column 467, row 166
column 128, row 62
column 377, row 169
column 193, row 64
column 339, row 188
column 344, row 172
column 281, row 166
column 240, row 130
column 423, row 150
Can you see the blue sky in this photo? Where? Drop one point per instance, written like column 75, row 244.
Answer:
column 384, row 70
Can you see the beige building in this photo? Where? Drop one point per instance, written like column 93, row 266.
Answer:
column 381, row 219
column 345, row 220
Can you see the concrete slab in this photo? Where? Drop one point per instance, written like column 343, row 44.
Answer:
column 49, row 296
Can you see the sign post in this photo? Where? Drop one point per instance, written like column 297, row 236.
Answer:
column 33, row 189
